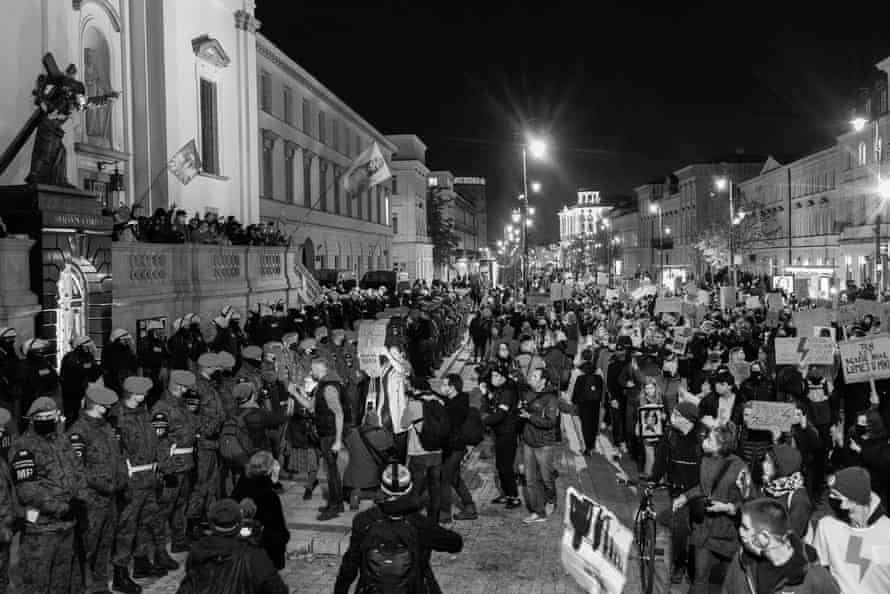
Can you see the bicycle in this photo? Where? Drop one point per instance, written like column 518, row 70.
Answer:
column 644, row 532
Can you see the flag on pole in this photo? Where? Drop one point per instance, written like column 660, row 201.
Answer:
column 185, row 164
column 366, row 171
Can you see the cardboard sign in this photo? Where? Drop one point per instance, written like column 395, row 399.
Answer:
column 556, row 292
column 536, row 299
column 612, row 295
column 727, row 297
column 879, row 311
column 371, row 344
column 767, row 416
column 866, row 358
column 806, row 319
column 752, row 302
column 595, row 545
column 772, row 318
column 847, row 314
column 774, row 301
column 669, row 305
column 804, row 350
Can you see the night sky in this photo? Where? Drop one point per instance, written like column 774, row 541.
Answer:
column 625, row 96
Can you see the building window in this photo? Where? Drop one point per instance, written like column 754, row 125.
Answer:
column 336, row 187
column 357, row 198
column 268, row 170
column 265, row 92
column 335, row 134
column 307, row 118
column 322, row 185
column 862, row 155
column 321, row 127
column 289, row 151
column 395, row 225
column 288, row 105
column 209, row 127
column 380, row 218
column 307, row 180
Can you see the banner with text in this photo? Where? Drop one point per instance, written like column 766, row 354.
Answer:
column 768, row 416
column 371, row 344
column 804, row 350
column 866, row 358
column 595, row 545
column 669, row 305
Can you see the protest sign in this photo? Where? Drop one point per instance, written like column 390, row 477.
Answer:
column 752, row 302
column 371, row 344
column 767, row 416
column 847, row 314
column 536, row 299
column 806, row 350
column 704, row 297
column 595, row 545
column 669, row 305
column 774, row 301
column 879, row 311
column 806, row 319
column 679, row 344
column 611, row 294
column 556, row 292
column 825, row 331
column 866, row 359
column 772, row 318
column 727, row 297
column 802, row 287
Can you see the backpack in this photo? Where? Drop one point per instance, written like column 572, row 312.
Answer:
column 219, row 575
column 390, row 557
column 436, row 431
column 473, row 431
column 234, row 442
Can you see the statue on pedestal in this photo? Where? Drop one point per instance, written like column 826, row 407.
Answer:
column 57, row 95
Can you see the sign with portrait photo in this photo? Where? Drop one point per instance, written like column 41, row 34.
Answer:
column 650, row 421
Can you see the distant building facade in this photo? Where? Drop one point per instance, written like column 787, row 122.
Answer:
column 467, row 209
column 411, row 247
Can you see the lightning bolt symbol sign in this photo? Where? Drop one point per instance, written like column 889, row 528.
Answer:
column 854, row 555
column 802, row 349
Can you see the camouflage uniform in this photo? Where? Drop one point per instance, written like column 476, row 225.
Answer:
column 9, row 514
column 176, row 467
column 44, row 469
column 79, row 368
column 138, row 523
column 207, row 481
column 105, row 475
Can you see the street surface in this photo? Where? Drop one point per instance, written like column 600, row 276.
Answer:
column 501, row 554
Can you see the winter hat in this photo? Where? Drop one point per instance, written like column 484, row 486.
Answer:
column 787, row 460
column 395, row 480
column 242, row 392
column 854, row 483
column 225, row 516
column 687, row 410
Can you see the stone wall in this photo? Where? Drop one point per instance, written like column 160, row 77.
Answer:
column 18, row 303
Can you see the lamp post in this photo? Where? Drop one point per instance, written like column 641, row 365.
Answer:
column 725, row 183
column 655, row 209
column 538, row 149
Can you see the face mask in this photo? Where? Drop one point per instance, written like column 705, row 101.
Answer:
column 5, row 443
column 44, row 427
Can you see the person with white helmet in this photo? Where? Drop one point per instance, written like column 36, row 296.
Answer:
column 79, row 368
column 118, row 359
column 38, row 376
column 153, row 357
column 198, row 344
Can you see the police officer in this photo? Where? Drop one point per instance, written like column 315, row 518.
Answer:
column 210, row 419
column 8, row 504
column 179, row 345
column 198, row 344
column 79, row 368
column 182, row 426
column 118, row 359
column 251, row 363
column 52, row 494
column 93, row 437
column 9, row 367
column 238, row 335
column 139, row 519
column 38, row 377
column 225, row 381
column 153, row 357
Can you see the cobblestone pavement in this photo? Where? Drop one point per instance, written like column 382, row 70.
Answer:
column 501, row 554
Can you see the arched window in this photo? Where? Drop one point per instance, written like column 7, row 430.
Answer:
column 862, row 157
column 97, row 80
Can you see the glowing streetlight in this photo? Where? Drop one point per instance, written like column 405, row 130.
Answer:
column 537, row 147
column 721, row 183
column 653, row 208
column 536, row 187
column 667, row 230
column 509, row 228
column 884, row 189
column 516, row 216
column 500, row 243
column 531, row 211
column 858, row 123
column 528, row 223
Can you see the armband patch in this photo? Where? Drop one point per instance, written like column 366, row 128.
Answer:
column 77, row 444
column 23, row 466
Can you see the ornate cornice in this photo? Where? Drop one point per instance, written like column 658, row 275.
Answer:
column 245, row 21
column 290, row 148
column 210, row 50
column 269, row 138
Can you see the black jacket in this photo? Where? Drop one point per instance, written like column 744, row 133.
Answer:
column 588, row 385
column 677, row 458
column 504, row 416
column 458, row 408
column 432, row 537
column 269, row 513
column 210, row 558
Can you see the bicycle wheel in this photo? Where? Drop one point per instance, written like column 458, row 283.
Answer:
column 646, row 549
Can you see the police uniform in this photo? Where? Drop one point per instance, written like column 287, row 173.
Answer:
column 210, row 419
column 249, row 371
column 9, row 510
column 178, row 467
column 47, row 483
column 95, row 443
column 139, row 519
column 226, row 382
column 78, row 369
column 118, row 361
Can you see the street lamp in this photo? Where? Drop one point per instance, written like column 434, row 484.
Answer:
column 531, row 211
column 858, row 123
column 516, row 216
column 536, row 187
column 725, row 183
column 655, row 209
column 537, row 148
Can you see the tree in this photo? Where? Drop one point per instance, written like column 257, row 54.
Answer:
column 751, row 228
column 440, row 226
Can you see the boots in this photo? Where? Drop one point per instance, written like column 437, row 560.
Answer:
column 307, row 492
column 142, row 568
column 165, row 561
column 330, row 513
column 467, row 512
column 123, row 583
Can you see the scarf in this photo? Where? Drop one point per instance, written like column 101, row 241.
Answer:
column 783, row 485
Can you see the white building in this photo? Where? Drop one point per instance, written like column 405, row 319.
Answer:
column 411, row 246
column 184, row 72
column 308, row 138
column 582, row 217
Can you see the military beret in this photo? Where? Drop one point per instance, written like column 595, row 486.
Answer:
column 42, row 404
column 7, row 333
column 5, row 416
column 208, row 360
column 118, row 334
column 252, row 352
column 307, row 344
column 160, row 420
column 225, row 359
column 225, row 515
column 102, row 395
column 80, row 341
column 243, row 392
column 181, row 377
column 137, row 385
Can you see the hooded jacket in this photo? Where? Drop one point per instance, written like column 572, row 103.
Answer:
column 211, row 557
column 802, row 574
column 542, row 428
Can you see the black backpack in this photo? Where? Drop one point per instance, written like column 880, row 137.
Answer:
column 436, row 431
column 225, row 574
column 473, row 431
column 235, row 448
column 390, row 557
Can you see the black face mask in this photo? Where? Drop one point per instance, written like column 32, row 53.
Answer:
column 44, row 427
column 841, row 514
